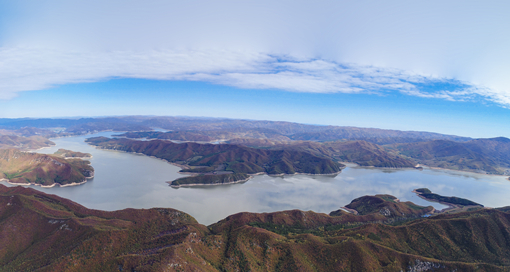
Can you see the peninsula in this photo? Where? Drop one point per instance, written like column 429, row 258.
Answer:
column 455, row 204
column 363, row 146
column 27, row 168
column 223, row 159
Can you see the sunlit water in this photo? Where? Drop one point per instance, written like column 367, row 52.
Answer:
column 124, row 180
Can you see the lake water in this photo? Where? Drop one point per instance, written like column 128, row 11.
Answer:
column 124, row 180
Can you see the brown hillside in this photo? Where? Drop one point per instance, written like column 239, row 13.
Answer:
column 41, row 169
column 48, row 233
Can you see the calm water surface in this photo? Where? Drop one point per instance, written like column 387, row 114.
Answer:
column 124, row 180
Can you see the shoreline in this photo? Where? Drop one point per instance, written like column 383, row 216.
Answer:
column 48, row 186
column 183, row 167
column 450, row 207
column 244, row 180
column 461, row 171
column 424, row 167
column 417, row 167
column 353, row 164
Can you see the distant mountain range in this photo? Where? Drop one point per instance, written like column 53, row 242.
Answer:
column 214, row 126
column 42, row 232
column 364, row 146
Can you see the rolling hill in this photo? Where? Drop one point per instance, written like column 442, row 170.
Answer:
column 41, row 169
column 225, row 157
column 490, row 156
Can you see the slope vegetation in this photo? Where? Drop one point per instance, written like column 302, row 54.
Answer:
column 233, row 158
column 360, row 152
column 41, row 169
column 48, row 233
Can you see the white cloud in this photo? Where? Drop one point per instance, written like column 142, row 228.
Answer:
column 25, row 69
column 300, row 46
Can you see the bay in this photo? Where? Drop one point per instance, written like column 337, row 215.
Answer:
column 125, row 180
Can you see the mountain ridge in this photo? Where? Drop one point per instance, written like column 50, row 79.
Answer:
column 49, row 233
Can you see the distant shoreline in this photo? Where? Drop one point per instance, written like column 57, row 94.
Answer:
column 465, row 171
column 209, row 184
column 47, row 186
column 424, row 167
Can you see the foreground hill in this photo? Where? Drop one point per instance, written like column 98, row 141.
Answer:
column 41, row 169
column 48, row 233
column 225, row 157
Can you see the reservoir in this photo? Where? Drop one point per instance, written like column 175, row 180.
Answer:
column 124, row 180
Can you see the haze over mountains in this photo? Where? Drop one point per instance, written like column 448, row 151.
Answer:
column 268, row 129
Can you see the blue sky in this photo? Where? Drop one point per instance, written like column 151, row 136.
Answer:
column 429, row 66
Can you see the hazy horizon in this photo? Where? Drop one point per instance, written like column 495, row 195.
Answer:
column 431, row 66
